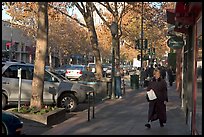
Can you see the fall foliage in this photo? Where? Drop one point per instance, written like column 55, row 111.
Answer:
column 71, row 37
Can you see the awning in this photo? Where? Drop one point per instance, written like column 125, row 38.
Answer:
column 170, row 16
column 184, row 15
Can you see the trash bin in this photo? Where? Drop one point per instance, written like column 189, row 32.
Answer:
column 118, row 86
column 134, row 81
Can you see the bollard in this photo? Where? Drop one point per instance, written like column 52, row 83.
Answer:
column 89, row 104
column 109, row 88
column 123, row 86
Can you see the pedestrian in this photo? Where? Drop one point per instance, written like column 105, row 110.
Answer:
column 170, row 76
column 157, row 107
column 150, row 71
column 163, row 72
column 120, row 73
column 144, row 77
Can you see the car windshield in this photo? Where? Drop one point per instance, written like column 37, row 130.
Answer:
column 64, row 67
column 59, row 76
column 91, row 65
column 77, row 68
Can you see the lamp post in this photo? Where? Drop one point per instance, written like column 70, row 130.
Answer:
column 141, row 42
column 114, row 29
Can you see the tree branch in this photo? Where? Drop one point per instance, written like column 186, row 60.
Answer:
column 79, row 8
column 98, row 12
column 83, row 7
column 120, row 20
column 123, row 11
column 68, row 15
column 107, row 6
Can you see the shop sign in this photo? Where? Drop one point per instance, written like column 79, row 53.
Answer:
column 175, row 42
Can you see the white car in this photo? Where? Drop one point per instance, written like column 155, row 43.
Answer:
column 75, row 71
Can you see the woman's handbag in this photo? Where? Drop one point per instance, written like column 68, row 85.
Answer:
column 151, row 95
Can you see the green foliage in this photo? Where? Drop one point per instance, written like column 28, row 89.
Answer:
column 34, row 110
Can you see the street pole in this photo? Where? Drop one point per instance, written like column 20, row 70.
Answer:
column 113, row 70
column 10, row 47
column 142, row 38
column 151, row 51
column 141, row 41
column 114, row 30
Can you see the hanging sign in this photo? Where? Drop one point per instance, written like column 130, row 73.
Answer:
column 175, row 42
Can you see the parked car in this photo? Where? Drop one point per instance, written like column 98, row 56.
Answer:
column 109, row 71
column 75, row 71
column 11, row 124
column 62, row 70
column 105, row 68
column 92, row 66
column 65, row 93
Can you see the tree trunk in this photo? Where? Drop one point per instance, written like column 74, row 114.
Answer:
column 117, row 54
column 41, row 48
column 60, row 58
column 94, row 42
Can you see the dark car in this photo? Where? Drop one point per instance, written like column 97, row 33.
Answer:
column 11, row 124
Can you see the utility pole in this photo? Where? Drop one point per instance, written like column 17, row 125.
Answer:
column 142, row 38
column 114, row 32
column 141, row 41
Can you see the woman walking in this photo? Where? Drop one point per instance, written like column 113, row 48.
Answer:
column 157, row 107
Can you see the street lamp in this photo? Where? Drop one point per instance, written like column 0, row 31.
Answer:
column 114, row 31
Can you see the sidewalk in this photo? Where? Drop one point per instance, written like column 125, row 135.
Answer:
column 126, row 116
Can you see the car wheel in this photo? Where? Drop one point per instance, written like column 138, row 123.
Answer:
column 4, row 131
column 3, row 101
column 68, row 101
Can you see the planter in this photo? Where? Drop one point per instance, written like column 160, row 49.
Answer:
column 48, row 118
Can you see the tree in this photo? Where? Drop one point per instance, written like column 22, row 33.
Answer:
column 104, row 38
column 41, row 48
column 66, row 37
column 86, row 9
column 117, row 11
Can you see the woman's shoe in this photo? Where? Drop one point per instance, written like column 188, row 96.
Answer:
column 148, row 125
column 161, row 125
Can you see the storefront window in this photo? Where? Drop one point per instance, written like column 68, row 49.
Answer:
column 199, row 87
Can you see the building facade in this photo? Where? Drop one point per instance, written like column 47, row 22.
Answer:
column 22, row 47
column 187, row 20
column 16, row 45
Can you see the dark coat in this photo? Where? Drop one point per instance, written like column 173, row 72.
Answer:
column 170, row 75
column 163, row 72
column 157, row 108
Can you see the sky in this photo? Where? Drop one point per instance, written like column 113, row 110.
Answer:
column 5, row 16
